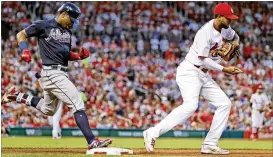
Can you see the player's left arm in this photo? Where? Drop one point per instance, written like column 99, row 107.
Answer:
column 82, row 54
column 230, row 45
column 203, row 50
column 236, row 38
column 231, row 36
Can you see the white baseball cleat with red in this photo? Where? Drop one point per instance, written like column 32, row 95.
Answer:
column 149, row 141
column 208, row 149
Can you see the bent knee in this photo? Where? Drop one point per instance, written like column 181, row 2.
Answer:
column 49, row 112
column 191, row 106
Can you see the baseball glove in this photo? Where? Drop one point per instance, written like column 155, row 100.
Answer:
column 228, row 50
column 261, row 110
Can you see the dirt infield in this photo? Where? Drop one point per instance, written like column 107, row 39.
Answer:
column 142, row 152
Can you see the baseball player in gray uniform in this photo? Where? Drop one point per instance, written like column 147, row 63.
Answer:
column 54, row 41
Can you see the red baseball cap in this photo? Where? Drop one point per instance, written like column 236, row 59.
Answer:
column 260, row 86
column 225, row 10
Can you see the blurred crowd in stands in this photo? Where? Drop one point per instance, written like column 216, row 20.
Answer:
column 129, row 79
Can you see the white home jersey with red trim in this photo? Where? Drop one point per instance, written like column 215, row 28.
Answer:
column 259, row 101
column 208, row 38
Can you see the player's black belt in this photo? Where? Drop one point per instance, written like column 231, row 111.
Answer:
column 55, row 67
column 203, row 69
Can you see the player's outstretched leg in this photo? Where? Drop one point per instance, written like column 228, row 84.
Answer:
column 177, row 116
column 81, row 119
column 82, row 122
column 190, row 89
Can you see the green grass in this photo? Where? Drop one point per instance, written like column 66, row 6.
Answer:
column 79, row 142
column 131, row 143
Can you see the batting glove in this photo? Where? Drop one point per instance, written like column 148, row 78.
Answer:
column 26, row 55
column 84, row 53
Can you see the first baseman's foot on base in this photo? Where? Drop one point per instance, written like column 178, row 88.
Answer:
column 100, row 143
column 10, row 95
column 149, row 141
column 208, row 149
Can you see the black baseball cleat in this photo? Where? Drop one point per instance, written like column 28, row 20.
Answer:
column 10, row 95
column 100, row 143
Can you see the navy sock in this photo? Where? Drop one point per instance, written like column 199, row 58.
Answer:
column 30, row 100
column 82, row 122
column 34, row 101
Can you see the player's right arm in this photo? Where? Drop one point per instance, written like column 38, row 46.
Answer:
column 23, row 47
column 35, row 29
column 21, row 36
column 203, row 49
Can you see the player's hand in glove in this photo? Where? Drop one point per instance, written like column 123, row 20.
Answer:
column 261, row 110
column 26, row 55
column 232, row 70
column 228, row 50
column 84, row 53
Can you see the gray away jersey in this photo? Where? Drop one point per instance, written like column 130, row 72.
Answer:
column 53, row 40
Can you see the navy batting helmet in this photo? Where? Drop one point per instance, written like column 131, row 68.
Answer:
column 72, row 10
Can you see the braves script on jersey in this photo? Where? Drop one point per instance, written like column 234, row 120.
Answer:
column 56, row 34
column 54, row 41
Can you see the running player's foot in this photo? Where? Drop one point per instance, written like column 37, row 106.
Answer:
column 208, row 149
column 100, row 143
column 10, row 95
column 149, row 141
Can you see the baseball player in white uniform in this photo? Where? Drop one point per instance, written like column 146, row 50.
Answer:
column 54, row 121
column 193, row 81
column 259, row 103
